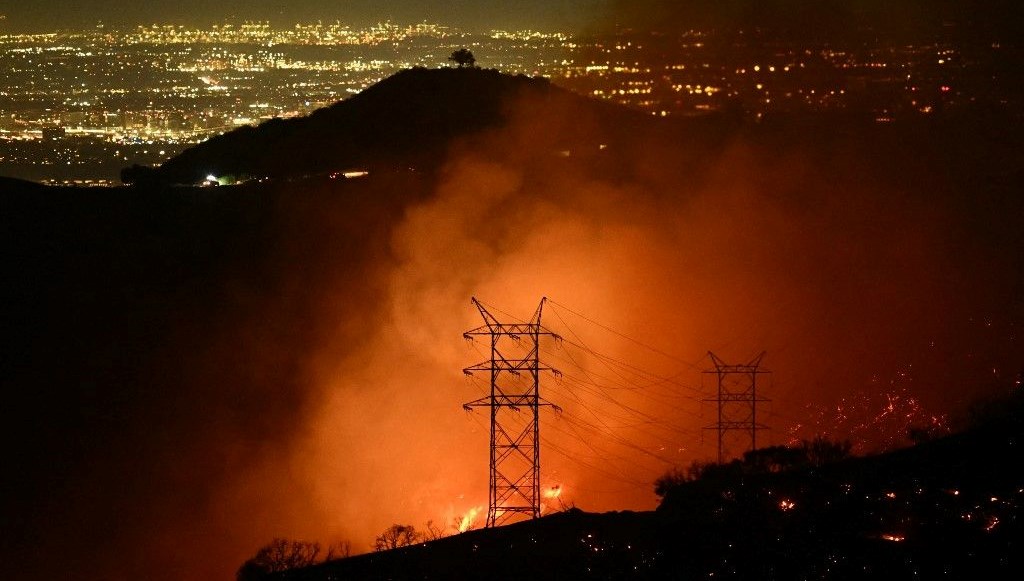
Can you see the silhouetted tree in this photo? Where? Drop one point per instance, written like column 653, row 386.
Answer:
column 821, row 450
column 279, row 555
column 396, row 536
column 341, row 550
column 463, row 57
column 1001, row 410
column 251, row 571
column 138, row 175
column 697, row 472
column 433, row 532
column 922, row 434
column 774, row 459
column 670, row 480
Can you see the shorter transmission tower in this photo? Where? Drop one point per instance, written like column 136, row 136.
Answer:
column 514, row 369
column 737, row 400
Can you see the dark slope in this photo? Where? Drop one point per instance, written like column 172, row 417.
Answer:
column 567, row 545
column 147, row 336
column 409, row 119
column 951, row 509
column 12, row 185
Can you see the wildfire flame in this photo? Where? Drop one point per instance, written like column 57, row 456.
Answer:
column 553, row 492
column 466, row 522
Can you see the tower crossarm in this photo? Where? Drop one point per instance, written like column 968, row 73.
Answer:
column 514, row 330
column 510, row 366
column 511, row 401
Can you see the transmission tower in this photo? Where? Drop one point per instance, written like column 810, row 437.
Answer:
column 514, row 369
column 737, row 400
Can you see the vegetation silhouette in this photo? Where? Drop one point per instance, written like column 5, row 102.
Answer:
column 947, row 507
column 285, row 555
column 770, row 460
column 396, row 536
column 463, row 58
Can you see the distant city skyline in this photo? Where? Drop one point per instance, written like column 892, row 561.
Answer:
column 471, row 15
column 799, row 18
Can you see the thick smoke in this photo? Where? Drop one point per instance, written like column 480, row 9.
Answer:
column 813, row 250
column 318, row 395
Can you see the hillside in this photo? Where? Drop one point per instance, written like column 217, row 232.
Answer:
column 407, row 120
column 950, row 508
column 133, row 318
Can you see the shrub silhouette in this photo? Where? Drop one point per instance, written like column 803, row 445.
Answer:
column 463, row 57
column 396, row 536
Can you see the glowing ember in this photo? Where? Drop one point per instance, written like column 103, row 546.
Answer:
column 787, row 504
column 894, row 538
column 872, row 420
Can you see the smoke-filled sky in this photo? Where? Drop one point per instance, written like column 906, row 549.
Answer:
column 197, row 374
column 858, row 284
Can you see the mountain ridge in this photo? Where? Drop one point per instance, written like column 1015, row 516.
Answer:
column 407, row 120
column 897, row 514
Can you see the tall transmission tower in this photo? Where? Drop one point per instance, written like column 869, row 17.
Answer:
column 737, row 400
column 514, row 369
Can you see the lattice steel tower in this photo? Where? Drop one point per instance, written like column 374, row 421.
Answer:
column 514, row 369
column 737, row 400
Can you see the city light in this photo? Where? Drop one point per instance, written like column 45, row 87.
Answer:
column 84, row 104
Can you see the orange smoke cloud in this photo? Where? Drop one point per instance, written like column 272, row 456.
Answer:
column 340, row 387
column 832, row 271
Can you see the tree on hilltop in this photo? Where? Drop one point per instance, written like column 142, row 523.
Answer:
column 463, row 58
column 283, row 555
column 279, row 555
column 396, row 536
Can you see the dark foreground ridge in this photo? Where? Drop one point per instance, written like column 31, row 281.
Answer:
column 407, row 120
column 948, row 509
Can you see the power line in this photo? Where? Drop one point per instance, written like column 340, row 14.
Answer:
column 615, row 424
column 628, row 366
column 626, row 337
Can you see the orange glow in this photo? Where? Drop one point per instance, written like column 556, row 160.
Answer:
column 657, row 259
column 759, row 250
column 895, row 538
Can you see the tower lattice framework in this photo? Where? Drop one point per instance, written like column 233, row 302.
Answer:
column 514, row 402
column 737, row 400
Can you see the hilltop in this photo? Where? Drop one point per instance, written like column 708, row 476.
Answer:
column 948, row 508
column 410, row 119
